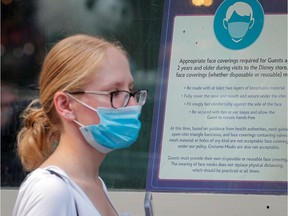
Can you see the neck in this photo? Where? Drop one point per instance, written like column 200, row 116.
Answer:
column 76, row 157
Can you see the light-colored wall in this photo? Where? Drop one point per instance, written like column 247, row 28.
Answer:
column 131, row 203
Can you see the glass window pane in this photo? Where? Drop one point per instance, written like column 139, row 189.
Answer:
column 30, row 28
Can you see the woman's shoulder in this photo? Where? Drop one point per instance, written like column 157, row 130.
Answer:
column 44, row 183
column 46, row 191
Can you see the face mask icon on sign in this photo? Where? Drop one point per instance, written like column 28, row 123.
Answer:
column 239, row 19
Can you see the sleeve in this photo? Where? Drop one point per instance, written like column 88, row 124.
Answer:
column 47, row 195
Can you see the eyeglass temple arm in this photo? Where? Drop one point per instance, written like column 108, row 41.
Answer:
column 90, row 92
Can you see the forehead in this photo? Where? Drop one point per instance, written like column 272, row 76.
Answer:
column 114, row 71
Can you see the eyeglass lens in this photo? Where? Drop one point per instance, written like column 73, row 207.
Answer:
column 121, row 98
column 140, row 97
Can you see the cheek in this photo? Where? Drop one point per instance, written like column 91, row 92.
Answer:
column 86, row 116
column 90, row 117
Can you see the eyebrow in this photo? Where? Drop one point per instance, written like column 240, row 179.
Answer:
column 131, row 86
column 117, row 85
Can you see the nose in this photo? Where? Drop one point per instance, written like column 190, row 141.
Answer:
column 132, row 101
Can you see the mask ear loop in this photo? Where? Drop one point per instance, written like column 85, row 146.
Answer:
column 78, row 123
column 81, row 102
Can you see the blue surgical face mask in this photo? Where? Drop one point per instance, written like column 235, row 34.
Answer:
column 118, row 128
column 238, row 30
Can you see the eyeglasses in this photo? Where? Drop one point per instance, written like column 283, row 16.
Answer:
column 119, row 98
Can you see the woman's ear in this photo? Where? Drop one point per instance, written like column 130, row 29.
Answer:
column 62, row 103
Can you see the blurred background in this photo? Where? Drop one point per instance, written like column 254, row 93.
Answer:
column 30, row 28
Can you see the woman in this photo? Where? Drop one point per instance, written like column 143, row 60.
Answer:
column 87, row 108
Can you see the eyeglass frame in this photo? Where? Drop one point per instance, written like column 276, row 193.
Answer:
column 111, row 93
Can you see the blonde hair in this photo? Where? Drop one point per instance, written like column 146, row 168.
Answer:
column 69, row 65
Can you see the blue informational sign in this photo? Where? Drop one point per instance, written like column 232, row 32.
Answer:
column 238, row 24
column 220, row 114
